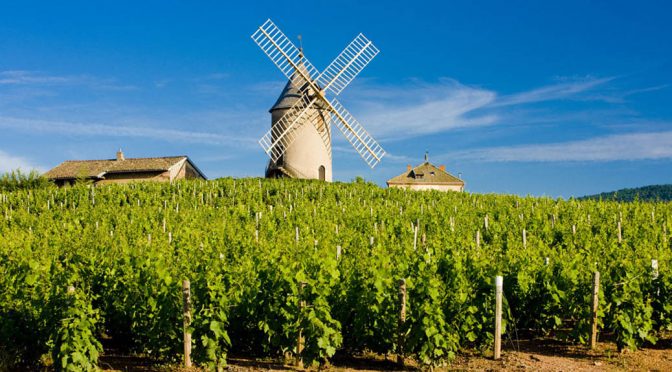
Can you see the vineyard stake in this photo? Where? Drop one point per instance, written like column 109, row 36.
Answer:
column 186, row 294
column 620, row 235
column 595, row 303
column 478, row 238
column 402, row 320
column 524, row 238
column 654, row 269
column 415, row 237
column 338, row 252
column 299, row 339
column 499, row 284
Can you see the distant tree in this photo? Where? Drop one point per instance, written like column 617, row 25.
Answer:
column 18, row 180
column 646, row 193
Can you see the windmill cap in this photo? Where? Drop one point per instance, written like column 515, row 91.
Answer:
column 290, row 94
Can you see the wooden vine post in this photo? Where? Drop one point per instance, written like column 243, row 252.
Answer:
column 593, row 315
column 620, row 234
column 402, row 320
column 299, row 338
column 415, row 237
column 654, row 269
column 186, row 295
column 499, row 289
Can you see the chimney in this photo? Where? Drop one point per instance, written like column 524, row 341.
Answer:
column 408, row 168
column 442, row 167
column 120, row 155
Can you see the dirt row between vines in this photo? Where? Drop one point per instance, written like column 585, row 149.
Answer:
column 537, row 355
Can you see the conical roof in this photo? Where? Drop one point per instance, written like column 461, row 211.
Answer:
column 293, row 92
column 290, row 94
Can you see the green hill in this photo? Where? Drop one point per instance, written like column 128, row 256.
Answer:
column 645, row 193
column 277, row 264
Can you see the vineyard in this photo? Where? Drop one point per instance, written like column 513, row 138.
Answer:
column 287, row 267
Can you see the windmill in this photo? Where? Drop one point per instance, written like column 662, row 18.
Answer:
column 299, row 141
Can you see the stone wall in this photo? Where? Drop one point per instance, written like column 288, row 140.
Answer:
column 133, row 177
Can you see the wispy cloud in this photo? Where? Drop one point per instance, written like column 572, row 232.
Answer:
column 17, row 77
column 107, row 130
column 418, row 108
column 41, row 79
column 10, row 162
column 558, row 91
column 630, row 146
column 621, row 96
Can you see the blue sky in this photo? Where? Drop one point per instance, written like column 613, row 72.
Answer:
column 544, row 98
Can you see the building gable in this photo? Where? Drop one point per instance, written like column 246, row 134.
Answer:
column 124, row 170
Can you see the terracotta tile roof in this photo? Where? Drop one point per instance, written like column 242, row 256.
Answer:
column 425, row 174
column 98, row 168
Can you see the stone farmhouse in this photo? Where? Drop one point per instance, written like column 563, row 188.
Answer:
column 427, row 176
column 122, row 170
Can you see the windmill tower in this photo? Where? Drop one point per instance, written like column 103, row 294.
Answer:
column 299, row 141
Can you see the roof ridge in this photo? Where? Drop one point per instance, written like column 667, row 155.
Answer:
column 126, row 159
column 442, row 175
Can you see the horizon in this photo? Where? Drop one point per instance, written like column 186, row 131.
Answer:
column 562, row 99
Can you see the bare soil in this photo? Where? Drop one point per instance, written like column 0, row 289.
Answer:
column 531, row 355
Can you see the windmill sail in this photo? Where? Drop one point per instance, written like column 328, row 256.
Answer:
column 338, row 75
column 286, row 56
column 359, row 138
column 281, row 135
column 347, row 65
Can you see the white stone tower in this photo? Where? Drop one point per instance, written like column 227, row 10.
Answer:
column 309, row 156
column 299, row 141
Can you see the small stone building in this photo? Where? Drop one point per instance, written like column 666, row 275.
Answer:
column 427, row 176
column 122, row 170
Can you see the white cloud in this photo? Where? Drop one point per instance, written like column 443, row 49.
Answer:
column 10, row 162
column 17, row 77
column 552, row 92
column 36, row 78
column 403, row 111
column 631, row 146
column 96, row 129
column 417, row 108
